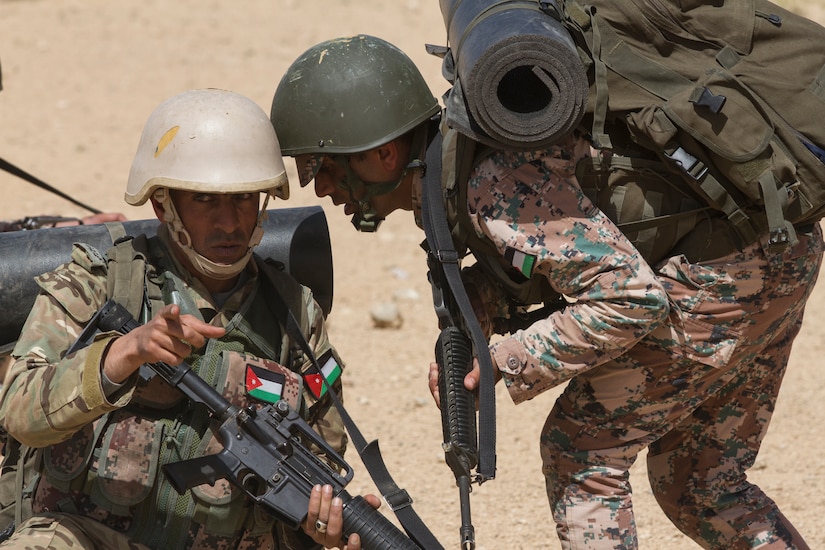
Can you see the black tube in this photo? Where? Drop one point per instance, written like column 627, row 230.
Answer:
column 296, row 237
column 376, row 531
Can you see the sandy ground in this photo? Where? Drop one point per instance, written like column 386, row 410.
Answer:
column 81, row 77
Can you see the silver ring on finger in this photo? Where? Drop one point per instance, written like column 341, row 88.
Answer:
column 320, row 526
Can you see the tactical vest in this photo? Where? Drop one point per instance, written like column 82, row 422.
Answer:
column 94, row 471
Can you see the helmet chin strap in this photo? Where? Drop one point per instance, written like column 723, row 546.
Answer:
column 201, row 263
column 367, row 219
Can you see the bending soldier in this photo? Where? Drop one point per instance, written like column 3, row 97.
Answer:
column 684, row 359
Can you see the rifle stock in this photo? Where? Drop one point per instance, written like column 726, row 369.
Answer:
column 266, row 454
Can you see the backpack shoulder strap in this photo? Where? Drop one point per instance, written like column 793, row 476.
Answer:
column 125, row 283
column 286, row 286
column 460, row 155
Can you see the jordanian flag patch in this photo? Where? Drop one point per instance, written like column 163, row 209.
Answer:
column 521, row 261
column 264, row 385
column 331, row 371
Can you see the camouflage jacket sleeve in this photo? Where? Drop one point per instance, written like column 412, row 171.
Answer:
column 531, row 207
column 47, row 396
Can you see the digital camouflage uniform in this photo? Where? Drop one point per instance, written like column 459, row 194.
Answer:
column 684, row 359
column 102, row 456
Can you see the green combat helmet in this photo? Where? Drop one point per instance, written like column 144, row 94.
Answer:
column 349, row 95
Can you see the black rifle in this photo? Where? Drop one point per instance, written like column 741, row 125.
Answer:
column 266, row 453
column 454, row 355
column 469, row 446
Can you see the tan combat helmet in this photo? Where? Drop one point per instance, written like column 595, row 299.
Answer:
column 208, row 141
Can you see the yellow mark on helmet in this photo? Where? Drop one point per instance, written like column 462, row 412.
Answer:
column 166, row 139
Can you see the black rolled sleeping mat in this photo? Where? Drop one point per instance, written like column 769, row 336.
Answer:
column 519, row 80
column 296, row 237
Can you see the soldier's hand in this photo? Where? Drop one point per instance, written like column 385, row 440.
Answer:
column 432, row 382
column 325, row 519
column 471, row 381
column 103, row 217
column 170, row 337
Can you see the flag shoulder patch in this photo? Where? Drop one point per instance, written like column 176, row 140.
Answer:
column 520, row 260
column 319, row 383
column 269, row 382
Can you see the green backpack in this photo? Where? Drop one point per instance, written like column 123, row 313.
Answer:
column 709, row 115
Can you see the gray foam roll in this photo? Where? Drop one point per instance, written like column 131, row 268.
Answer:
column 519, row 81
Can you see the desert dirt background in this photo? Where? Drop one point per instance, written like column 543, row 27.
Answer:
column 80, row 78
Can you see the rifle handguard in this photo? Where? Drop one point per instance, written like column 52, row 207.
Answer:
column 453, row 353
column 458, row 412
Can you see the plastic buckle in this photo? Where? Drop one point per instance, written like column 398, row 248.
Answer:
column 703, row 97
column 688, row 163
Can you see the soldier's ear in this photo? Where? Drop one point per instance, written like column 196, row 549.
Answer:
column 390, row 156
column 158, row 208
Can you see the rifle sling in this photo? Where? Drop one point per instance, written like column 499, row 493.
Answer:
column 398, row 499
column 440, row 242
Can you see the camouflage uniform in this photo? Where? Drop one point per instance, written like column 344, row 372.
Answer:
column 103, row 451
column 684, row 359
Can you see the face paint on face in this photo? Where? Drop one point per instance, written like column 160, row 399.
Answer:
column 341, row 178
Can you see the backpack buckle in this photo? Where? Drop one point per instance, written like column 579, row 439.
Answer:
column 692, row 166
column 779, row 238
column 702, row 97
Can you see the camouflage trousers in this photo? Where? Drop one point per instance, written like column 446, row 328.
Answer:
column 56, row 531
column 699, row 393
